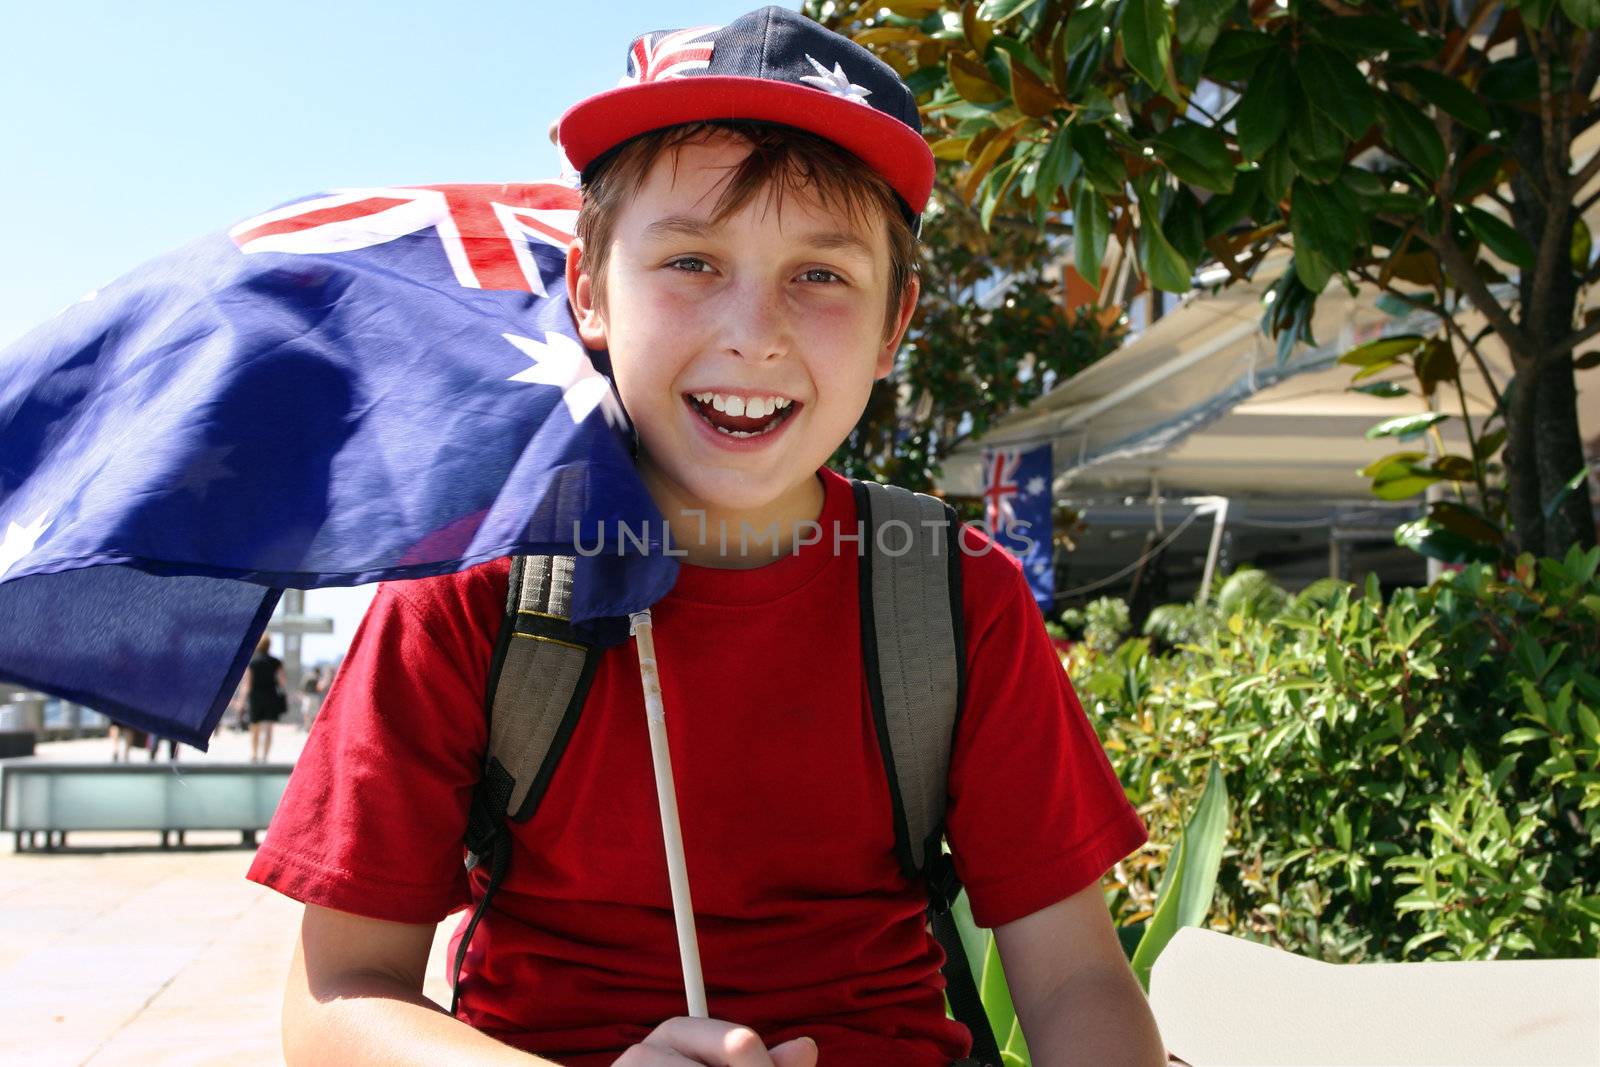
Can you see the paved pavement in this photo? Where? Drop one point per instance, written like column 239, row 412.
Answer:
column 116, row 953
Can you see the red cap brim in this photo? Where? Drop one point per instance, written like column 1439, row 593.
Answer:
column 898, row 153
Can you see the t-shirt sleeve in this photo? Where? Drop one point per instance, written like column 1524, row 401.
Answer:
column 373, row 817
column 1035, row 811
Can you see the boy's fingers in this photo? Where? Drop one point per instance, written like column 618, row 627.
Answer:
column 712, row 1042
column 801, row 1052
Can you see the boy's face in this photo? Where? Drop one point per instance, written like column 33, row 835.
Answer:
column 775, row 313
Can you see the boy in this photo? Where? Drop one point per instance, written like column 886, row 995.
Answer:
column 744, row 255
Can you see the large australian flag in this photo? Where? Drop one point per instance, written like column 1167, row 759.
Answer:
column 1017, row 499
column 366, row 385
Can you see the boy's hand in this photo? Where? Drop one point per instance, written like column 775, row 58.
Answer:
column 714, row 1043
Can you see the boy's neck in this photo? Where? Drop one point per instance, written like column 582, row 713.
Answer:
column 735, row 539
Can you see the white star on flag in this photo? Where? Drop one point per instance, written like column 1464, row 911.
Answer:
column 1040, row 567
column 560, row 361
column 19, row 541
column 1035, row 485
column 835, row 81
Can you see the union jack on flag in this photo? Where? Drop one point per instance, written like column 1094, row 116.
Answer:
column 670, row 54
column 485, row 230
column 1017, row 507
column 368, row 385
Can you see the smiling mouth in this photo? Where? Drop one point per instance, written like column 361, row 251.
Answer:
column 718, row 411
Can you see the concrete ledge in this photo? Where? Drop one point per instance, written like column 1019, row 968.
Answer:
column 41, row 796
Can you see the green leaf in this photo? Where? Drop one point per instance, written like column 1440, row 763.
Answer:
column 1198, row 155
column 1501, row 237
column 1392, row 466
column 1406, row 427
column 1535, row 13
column 1448, row 95
column 1221, row 212
column 1199, row 23
column 1100, row 162
column 1560, row 495
column 1582, row 246
column 1264, row 110
column 1523, row 734
column 1413, row 135
column 1091, row 229
column 1434, row 541
column 1468, row 522
column 1583, row 13
column 1336, row 88
column 1277, row 173
column 1000, row 10
column 1056, row 171
column 1321, row 226
column 1190, row 879
column 1369, row 35
column 1407, row 485
column 1147, row 39
column 1385, row 390
column 1383, row 349
column 1164, row 266
column 994, row 993
column 1315, row 143
column 1236, row 54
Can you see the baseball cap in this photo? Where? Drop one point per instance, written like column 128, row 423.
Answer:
column 772, row 65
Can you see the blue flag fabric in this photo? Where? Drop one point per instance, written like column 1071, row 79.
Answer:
column 366, row 385
column 1017, row 499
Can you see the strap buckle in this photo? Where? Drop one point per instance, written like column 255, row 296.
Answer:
column 944, row 885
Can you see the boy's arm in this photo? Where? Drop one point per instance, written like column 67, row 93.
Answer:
column 355, row 997
column 1074, row 994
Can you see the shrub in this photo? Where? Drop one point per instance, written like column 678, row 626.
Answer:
column 1417, row 779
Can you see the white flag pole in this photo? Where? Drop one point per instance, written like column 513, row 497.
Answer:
column 694, row 986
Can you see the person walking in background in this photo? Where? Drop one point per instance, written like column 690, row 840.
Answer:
column 311, row 693
column 265, row 700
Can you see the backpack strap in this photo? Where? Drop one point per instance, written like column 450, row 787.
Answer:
column 538, row 681
column 913, row 648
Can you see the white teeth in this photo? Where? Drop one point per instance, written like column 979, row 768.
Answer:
column 755, row 407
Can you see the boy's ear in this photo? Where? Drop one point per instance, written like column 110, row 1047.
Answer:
column 902, row 322
column 586, row 312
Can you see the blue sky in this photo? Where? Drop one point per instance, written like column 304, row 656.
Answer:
column 130, row 128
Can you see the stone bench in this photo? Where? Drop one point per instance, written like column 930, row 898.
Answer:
column 53, row 798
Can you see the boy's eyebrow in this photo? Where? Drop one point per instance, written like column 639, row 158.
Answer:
column 692, row 226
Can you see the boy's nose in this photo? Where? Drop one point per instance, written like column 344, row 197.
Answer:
column 758, row 326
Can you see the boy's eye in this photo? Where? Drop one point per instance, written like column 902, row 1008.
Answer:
column 820, row 274
column 690, row 264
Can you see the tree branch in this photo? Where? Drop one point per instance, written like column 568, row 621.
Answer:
column 1584, row 176
column 1588, row 68
column 1565, row 346
column 1365, row 274
column 1469, row 282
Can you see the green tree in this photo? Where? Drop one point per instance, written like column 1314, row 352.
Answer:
column 990, row 334
column 1424, row 147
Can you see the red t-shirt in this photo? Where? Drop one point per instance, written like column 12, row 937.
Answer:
column 806, row 924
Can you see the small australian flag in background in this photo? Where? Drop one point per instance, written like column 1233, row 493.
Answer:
column 1017, row 509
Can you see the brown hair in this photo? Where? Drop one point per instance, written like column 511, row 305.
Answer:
column 782, row 159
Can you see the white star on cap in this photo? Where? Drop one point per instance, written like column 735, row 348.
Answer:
column 560, row 361
column 836, row 82
column 19, row 541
